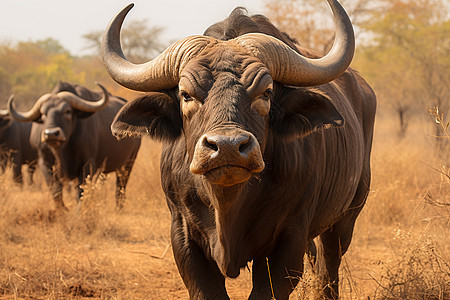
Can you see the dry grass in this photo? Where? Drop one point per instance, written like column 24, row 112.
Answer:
column 401, row 246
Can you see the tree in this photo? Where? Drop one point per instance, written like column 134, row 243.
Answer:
column 407, row 59
column 310, row 22
column 30, row 69
column 140, row 42
column 403, row 46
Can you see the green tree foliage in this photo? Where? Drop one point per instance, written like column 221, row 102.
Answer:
column 403, row 47
column 407, row 54
column 31, row 69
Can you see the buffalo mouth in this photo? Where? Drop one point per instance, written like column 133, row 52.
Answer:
column 227, row 157
column 54, row 143
column 53, row 137
column 228, row 175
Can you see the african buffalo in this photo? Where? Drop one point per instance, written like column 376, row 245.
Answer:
column 71, row 130
column 265, row 147
column 15, row 146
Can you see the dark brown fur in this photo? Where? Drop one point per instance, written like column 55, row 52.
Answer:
column 90, row 146
column 15, row 147
column 315, row 144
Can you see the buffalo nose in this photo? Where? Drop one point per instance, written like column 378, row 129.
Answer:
column 53, row 134
column 241, row 143
column 227, row 157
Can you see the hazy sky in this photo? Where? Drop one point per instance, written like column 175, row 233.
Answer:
column 68, row 20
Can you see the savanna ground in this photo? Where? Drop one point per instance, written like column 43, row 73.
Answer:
column 400, row 250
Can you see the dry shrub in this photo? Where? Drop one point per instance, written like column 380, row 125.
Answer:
column 401, row 247
column 94, row 215
column 419, row 271
column 408, row 195
column 310, row 285
column 92, row 250
column 95, row 251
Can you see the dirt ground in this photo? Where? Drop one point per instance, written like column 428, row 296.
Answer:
column 400, row 250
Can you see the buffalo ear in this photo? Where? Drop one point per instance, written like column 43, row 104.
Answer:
column 304, row 111
column 5, row 121
column 155, row 114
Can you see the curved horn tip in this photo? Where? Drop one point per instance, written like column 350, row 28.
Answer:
column 10, row 101
column 102, row 87
column 12, row 111
column 292, row 68
column 4, row 112
column 106, row 94
column 124, row 11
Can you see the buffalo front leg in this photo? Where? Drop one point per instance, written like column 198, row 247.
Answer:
column 17, row 174
column 57, row 194
column 30, row 170
column 336, row 241
column 55, row 185
column 17, row 168
column 275, row 276
column 122, row 176
column 200, row 275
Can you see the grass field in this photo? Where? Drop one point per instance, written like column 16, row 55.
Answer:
column 400, row 250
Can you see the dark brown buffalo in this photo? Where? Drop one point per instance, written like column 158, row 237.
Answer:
column 15, row 146
column 264, row 149
column 71, row 130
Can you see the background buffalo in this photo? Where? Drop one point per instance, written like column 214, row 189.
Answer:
column 15, row 146
column 71, row 132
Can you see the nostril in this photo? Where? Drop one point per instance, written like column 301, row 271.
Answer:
column 244, row 142
column 52, row 133
column 211, row 144
column 245, row 146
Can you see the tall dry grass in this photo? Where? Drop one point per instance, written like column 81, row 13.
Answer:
column 401, row 247
column 92, row 251
column 400, row 250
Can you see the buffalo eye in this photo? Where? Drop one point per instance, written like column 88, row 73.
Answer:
column 68, row 113
column 185, row 96
column 267, row 94
column 262, row 103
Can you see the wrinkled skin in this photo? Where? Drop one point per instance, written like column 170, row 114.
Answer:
column 254, row 170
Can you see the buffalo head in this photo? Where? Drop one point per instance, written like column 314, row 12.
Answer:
column 226, row 98
column 58, row 112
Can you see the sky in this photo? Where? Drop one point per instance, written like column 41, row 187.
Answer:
column 68, row 20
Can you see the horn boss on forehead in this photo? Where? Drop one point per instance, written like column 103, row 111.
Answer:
column 83, row 105
column 286, row 65
column 75, row 101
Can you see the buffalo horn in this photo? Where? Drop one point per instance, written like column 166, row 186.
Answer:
column 289, row 67
column 286, row 65
column 75, row 101
column 158, row 74
column 31, row 115
column 83, row 105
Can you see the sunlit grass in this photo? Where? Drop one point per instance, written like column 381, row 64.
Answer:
column 400, row 248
